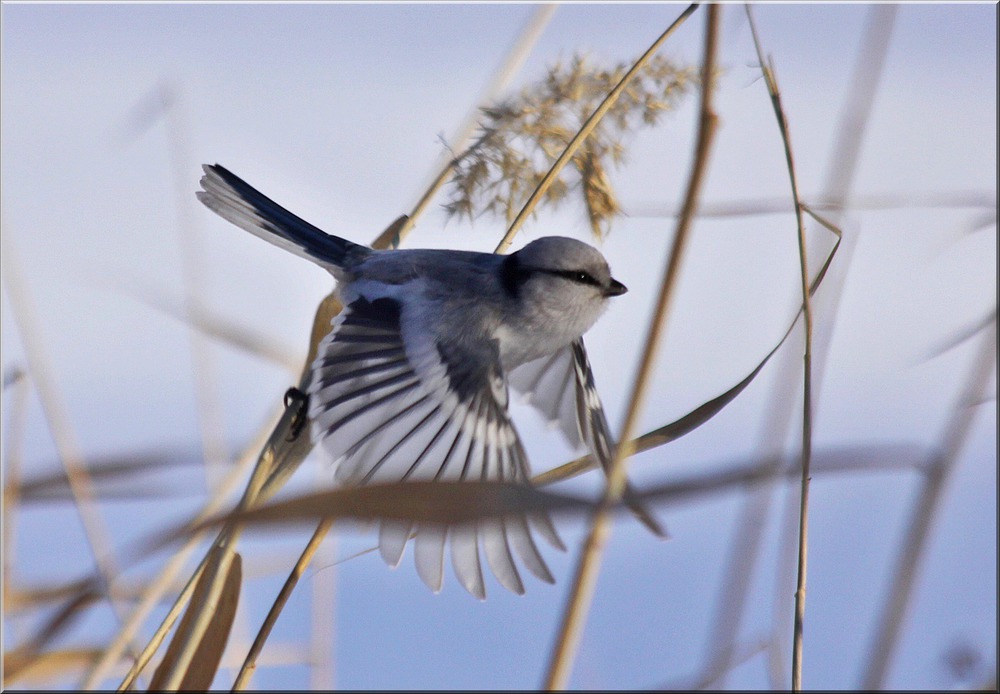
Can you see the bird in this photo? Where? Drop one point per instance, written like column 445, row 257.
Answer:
column 412, row 381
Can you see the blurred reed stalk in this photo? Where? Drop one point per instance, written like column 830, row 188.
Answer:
column 155, row 591
column 925, row 510
column 59, row 421
column 13, row 452
column 211, row 419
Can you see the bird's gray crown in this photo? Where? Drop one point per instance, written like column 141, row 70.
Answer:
column 561, row 253
column 561, row 257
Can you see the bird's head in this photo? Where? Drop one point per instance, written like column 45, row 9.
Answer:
column 561, row 279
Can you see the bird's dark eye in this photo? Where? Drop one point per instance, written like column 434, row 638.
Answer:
column 580, row 276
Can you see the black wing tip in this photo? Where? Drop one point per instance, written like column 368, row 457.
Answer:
column 222, row 177
column 215, row 170
column 644, row 516
column 225, row 175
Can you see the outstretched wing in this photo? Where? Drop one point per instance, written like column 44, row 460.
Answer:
column 549, row 384
column 390, row 403
column 561, row 386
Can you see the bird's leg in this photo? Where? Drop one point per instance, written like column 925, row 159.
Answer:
column 296, row 396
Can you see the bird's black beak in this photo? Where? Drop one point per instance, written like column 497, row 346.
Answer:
column 616, row 288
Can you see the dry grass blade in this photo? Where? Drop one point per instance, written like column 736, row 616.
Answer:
column 250, row 663
column 24, row 656
column 445, row 503
column 586, row 575
column 687, row 423
column 208, row 574
column 451, row 503
column 212, row 324
column 543, row 186
column 52, row 666
column 116, row 469
column 754, row 472
column 113, row 652
column 196, row 649
column 667, row 433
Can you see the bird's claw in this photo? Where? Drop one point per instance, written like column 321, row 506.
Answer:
column 295, row 396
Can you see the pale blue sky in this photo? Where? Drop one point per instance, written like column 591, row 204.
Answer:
column 335, row 111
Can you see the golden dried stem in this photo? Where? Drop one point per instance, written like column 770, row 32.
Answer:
column 250, row 663
column 803, row 545
column 586, row 574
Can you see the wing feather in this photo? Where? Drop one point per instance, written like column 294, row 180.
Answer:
column 390, row 403
column 428, row 553
column 561, row 387
column 465, row 559
column 494, row 531
column 548, row 385
column 392, row 537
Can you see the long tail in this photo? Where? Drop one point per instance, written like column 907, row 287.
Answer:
column 234, row 199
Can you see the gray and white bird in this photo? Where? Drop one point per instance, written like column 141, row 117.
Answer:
column 411, row 382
